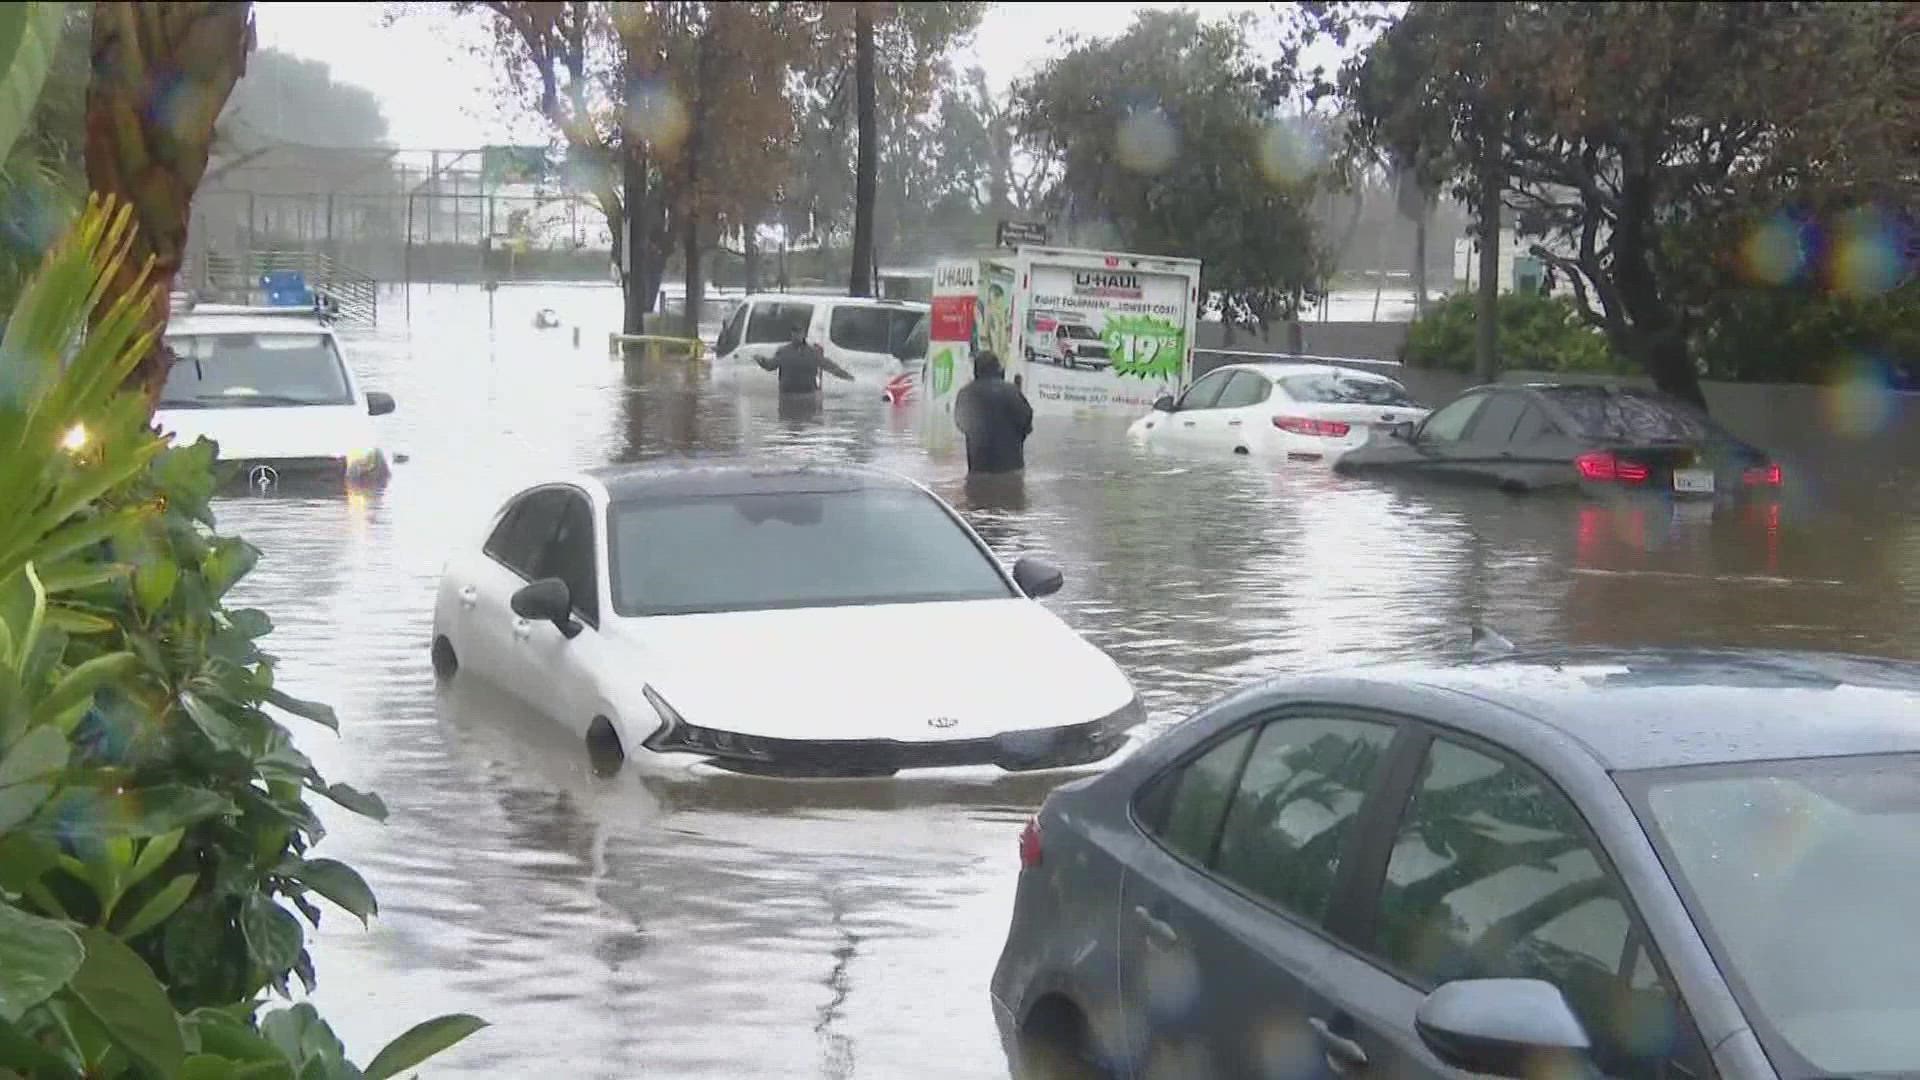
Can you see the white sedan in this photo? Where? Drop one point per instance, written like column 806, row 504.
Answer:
column 1300, row 412
column 784, row 620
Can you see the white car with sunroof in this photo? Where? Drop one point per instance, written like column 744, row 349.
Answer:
column 273, row 389
column 780, row 620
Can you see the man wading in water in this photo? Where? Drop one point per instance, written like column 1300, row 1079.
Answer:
column 995, row 417
column 800, row 364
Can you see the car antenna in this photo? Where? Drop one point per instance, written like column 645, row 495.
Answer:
column 1485, row 643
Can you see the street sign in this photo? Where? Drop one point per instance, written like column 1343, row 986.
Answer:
column 1016, row 233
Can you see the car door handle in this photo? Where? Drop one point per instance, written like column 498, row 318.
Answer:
column 469, row 596
column 1343, row 1054
column 522, row 629
column 1157, row 928
column 1233, row 423
column 1186, row 423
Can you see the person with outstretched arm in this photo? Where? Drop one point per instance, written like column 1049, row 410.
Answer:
column 995, row 417
column 800, row 365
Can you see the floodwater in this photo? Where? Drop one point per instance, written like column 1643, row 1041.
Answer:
column 743, row 928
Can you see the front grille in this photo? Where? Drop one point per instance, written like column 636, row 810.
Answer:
column 1015, row 751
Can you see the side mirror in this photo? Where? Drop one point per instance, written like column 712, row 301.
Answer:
column 379, row 403
column 1037, row 577
column 1503, row 1027
column 546, row 600
column 1403, row 430
column 1163, row 403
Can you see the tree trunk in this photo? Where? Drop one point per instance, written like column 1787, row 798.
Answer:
column 1657, row 339
column 1486, row 353
column 1420, row 263
column 867, row 162
column 636, row 297
column 161, row 74
column 696, row 285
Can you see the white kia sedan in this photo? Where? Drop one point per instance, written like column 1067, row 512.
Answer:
column 1298, row 412
column 783, row 620
column 270, row 386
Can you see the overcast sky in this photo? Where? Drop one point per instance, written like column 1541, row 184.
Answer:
column 438, row 90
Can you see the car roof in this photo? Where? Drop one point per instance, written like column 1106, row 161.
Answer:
column 1654, row 708
column 1281, row 369
column 835, row 299
column 242, row 320
column 697, row 478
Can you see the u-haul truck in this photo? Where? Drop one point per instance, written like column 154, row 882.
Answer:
column 1098, row 331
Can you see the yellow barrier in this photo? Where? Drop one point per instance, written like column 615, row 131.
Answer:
column 655, row 347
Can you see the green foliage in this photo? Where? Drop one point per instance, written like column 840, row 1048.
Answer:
column 1163, row 134
column 1537, row 333
column 1800, row 335
column 154, row 823
column 28, row 32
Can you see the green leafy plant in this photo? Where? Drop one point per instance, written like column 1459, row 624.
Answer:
column 154, row 828
column 1537, row 333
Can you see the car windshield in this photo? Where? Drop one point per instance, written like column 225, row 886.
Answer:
column 1612, row 415
column 1084, row 333
column 229, row 371
column 762, row 551
column 1346, row 390
column 1802, row 873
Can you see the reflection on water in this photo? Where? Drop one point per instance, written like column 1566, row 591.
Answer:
column 735, row 927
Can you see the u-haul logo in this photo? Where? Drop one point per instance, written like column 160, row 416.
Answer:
column 1106, row 283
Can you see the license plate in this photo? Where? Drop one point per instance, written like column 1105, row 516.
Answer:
column 1693, row 481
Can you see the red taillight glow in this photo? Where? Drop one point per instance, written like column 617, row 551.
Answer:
column 1764, row 476
column 1030, row 844
column 1607, row 468
column 1301, row 425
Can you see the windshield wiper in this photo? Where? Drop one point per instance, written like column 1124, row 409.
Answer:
column 248, row 401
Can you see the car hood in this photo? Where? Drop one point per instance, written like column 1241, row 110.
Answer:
column 878, row 672
column 299, row 431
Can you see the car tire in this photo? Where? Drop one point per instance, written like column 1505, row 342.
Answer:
column 445, row 662
column 1057, row 1044
column 604, row 750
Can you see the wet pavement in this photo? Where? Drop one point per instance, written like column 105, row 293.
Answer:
column 743, row 927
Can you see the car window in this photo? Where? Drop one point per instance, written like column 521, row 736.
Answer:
column 1450, row 422
column 771, row 550
column 569, row 555
column 775, row 322
column 1492, row 876
column 1247, row 388
column 523, row 531
column 1533, row 425
column 861, row 329
column 1614, row 414
column 1203, row 394
column 237, row 371
column 1495, row 423
column 1184, row 807
column 907, row 332
column 1297, row 796
column 730, row 334
column 1346, row 389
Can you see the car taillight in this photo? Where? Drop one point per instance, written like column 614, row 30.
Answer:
column 1030, row 844
column 1606, row 467
column 1301, row 425
column 1764, row 476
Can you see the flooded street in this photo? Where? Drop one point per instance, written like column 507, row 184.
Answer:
column 608, row 928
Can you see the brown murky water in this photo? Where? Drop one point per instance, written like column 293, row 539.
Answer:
column 749, row 928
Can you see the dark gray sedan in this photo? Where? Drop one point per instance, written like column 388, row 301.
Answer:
column 1650, row 864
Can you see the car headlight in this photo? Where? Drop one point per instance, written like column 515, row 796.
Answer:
column 676, row 735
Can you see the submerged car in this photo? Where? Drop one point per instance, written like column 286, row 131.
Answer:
column 271, row 387
column 1299, row 412
column 1601, row 439
column 1636, row 864
column 779, row 619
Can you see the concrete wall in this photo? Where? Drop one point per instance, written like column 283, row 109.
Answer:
column 1355, row 340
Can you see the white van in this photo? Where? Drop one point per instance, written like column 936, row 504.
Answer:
column 270, row 386
column 868, row 337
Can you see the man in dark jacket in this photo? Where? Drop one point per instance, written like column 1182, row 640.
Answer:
column 800, row 365
column 994, row 416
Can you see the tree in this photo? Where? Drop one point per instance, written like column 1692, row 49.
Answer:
column 1645, row 141
column 1164, row 134
column 285, row 99
column 866, row 161
column 161, row 75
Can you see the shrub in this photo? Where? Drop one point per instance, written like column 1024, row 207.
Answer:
column 153, row 814
column 1537, row 333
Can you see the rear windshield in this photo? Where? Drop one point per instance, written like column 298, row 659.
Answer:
column 1613, row 415
column 793, row 550
column 234, row 371
column 1346, row 390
